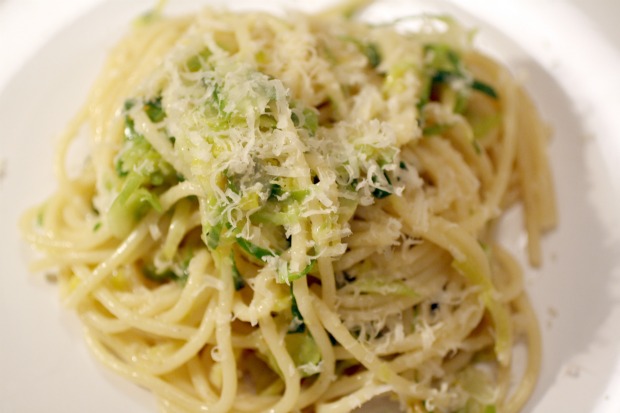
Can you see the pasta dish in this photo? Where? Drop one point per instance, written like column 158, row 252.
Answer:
column 297, row 214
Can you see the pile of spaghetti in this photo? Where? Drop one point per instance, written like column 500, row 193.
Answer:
column 296, row 214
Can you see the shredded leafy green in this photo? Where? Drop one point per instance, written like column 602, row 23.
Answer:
column 142, row 171
column 154, row 109
column 443, row 65
column 484, row 88
column 382, row 193
column 237, row 277
column 435, row 129
column 310, row 121
column 213, row 235
column 370, row 50
column 287, row 276
column 168, row 275
column 254, row 250
column 297, row 324
column 132, row 203
column 303, row 350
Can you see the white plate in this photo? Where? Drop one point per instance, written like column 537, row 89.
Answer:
column 569, row 69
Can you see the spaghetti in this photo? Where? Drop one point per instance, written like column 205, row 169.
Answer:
column 297, row 215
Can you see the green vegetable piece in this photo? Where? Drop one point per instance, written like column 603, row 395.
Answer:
column 154, row 110
column 237, row 277
column 435, row 129
column 425, row 93
column 297, row 324
column 275, row 191
column 477, row 147
column 96, row 227
column 484, row 88
column 193, row 64
column 303, row 349
column 443, row 76
column 461, row 103
column 380, row 193
column 295, row 119
column 482, row 126
column 292, row 276
column 130, row 129
column 378, row 286
column 213, row 235
column 371, row 51
column 267, row 123
column 139, row 156
column 442, row 57
column 231, row 182
column 129, row 103
column 311, row 120
column 131, row 204
column 168, row 275
column 403, row 165
column 254, row 250
column 40, row 218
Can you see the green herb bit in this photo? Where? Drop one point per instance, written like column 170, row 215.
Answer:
column 381, row 193
column 168, row 275
column 130, row 129
column 136, row 151
column 40, row 217
column 254, row 250
column 292, row 276
column 97, row 226
column 275, row 191
column 484, row 88
column 297, row 323
column 435, row 129
column 460, row 103
column 477, row 147
column 442, row 57
column 131, row 204
column 444, row 76
column 303, row 350
column 373, row 55
column 194, row 63
column 238, row 280
column 152, row 15
column 370, row 50
column 231, row 182
column 267, row 123
column 154, row 110
column 129, row 103
column 311, row 120
column 213, row 235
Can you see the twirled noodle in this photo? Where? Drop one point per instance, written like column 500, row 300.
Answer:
column 296, row 214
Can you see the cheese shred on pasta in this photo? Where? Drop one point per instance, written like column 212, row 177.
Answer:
column 287, row 215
